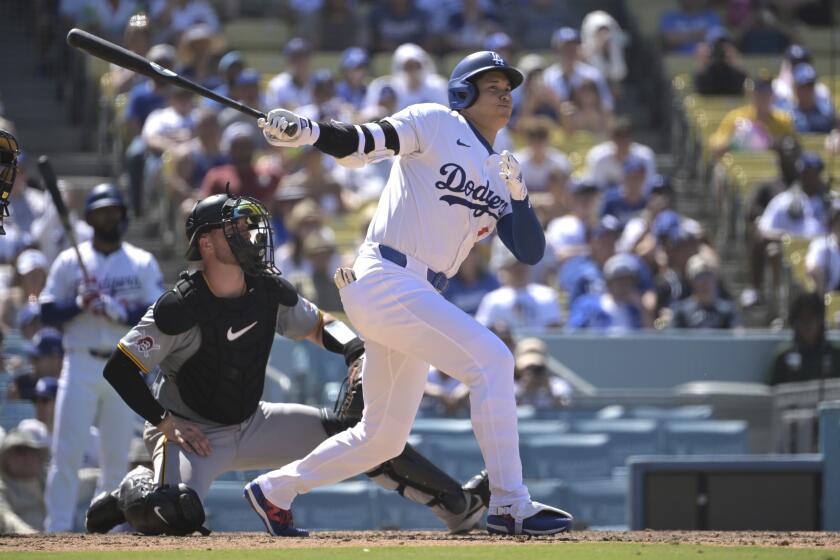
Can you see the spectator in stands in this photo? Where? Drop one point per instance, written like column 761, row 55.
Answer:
column 471, row 283
column 241, row 176
column 823, row 259
column 305, row 219
column 704, row 309
column 761, row 32
column 246, row 89
column 173, row 17
column 334, row 26
column 315, row 280
column 31, row 276
column 538, row 158
column 802, row 210
column 106, row 18
column 396, row 22
column 535, row 384
column 637, row 236
column 326, row 105
column 584, row 112
column 783, row 85
column 285, row 200
column 811, row 113
column 45, row 354
column 137, row 38
column 582, row 274
column 755, row 126
column 567, row 235
column 47, row 230
column 678, row 243
column 469, row 25
column 602, row 46
column 46, row 391
column 292, row 88
column 605, row 161
column 444, row 395
column 501, row 43
column 555, row 203
column 413, row 79
column 23, row 461
column 230, row 65
column 720, row 72
column 617, row 310
column 569, row 72
column 809, row 356
column 683, row 29
column 519, row 303
column 535, row 98
column 352, row 87
column 197, row 49
column 28, row 320
column 192, row 160
column 626, row 201
column 319, row 179
column 535, row 21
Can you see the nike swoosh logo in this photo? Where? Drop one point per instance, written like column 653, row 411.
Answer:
column 231, row 336
column 162, row 518
column 458, row 141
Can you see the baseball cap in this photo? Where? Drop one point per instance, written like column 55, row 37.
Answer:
column 497, row 41
column 234, row 131
column 354, row 57
column 46, row 387
column 698, row 265
column 21, row 438
column 320, row 77
column 297, row 47
column 317, row 242
column 666, row 223
column 583, row 187
column 717, row 33
column 633, row 165
column 162, row 52
column 31, row 259
column 305, row 210
column 248, row 77
column 798, row 53
column 46, row 342
column 607, row 224
column 620, row 266
column 565, row 35
column 661, row 184
column 530, row 352
column 803, row 74
column 229, row 59
column 809, row 160
column 290, row 193
column 197, row 32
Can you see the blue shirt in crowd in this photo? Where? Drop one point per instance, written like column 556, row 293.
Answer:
column 615, row 204
column 468, row 297
column 678, row 21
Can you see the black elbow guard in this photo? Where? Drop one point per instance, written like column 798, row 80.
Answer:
column 338, row 338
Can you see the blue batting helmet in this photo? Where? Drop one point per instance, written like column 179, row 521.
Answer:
column 102, row 195
column 462, row 90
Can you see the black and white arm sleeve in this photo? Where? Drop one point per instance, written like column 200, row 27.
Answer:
column 341, row 140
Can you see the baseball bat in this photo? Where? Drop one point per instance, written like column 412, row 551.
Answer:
column 51, row 184
column 115, row 54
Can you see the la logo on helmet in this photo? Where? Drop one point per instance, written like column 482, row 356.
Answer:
column 497, row 59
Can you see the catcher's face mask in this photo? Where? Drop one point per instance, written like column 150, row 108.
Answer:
column 9, row 151
column 247, row 227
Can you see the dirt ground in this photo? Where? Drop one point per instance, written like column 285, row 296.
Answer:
column 76, row 542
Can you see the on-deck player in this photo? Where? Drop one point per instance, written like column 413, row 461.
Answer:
column 447, row 190
column 211, row 335
column 123, row 281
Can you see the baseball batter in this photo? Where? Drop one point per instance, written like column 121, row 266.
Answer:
column 447, row 190
column 122, row 281
column 211, row 337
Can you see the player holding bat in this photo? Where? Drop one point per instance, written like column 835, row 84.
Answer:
column 93, row 293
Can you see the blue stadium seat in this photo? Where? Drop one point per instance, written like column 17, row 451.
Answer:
column 599, row 503
column 227, row 510
column 459, row 456
column 688, row 412
column 628, row 436
column 706, row 437
column 566, row 456
column 541, row 427
column 550, row 491
column 347, row 506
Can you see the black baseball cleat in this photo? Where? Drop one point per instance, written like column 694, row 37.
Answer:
column 477, row 494
column 104, row 513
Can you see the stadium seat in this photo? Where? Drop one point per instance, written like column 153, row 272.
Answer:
column 227, row 510
column 347, row 506
column 600, row 504
column 458, row 455
column 690, row 412
column 15, row 410
column 392, row 511
column 628, row 436
column 706, row 437
column 245, row 34
column 566, row 456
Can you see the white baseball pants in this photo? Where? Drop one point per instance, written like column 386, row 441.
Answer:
column 407, row 325
column 84, row 395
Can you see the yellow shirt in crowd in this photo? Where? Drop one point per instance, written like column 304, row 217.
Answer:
column 738, row 122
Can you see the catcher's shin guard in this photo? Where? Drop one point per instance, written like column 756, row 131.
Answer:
column 104, row 513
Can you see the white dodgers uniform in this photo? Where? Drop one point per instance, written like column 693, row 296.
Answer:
column 443, row 195
column 131, row 276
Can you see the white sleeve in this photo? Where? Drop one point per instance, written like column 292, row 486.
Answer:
column 768, row 221
column 152, row 126
column 484, row 314
column 417, row 127
column 551, row 315
column 817, row 253
column 152, row 281
column 61, row 281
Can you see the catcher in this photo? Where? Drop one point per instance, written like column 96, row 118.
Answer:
column 9, row 152
column 211, row 336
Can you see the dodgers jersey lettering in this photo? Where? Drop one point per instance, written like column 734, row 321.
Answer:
column 129, row 275
column 444, row 193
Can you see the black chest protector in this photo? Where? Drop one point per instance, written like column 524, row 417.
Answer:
column 223, row 381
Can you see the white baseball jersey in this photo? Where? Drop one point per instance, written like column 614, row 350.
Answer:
column 444, row 193
column 129, row 275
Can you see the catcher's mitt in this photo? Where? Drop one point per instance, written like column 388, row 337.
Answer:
column 350, row 401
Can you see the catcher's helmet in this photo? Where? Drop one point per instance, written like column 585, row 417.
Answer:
column 462, row 90
column 253, row 251
column 9, row 152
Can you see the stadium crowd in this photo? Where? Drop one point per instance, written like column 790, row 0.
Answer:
column 620, row 255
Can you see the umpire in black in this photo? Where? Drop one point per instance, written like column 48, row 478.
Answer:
column 208, row 340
